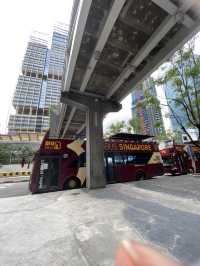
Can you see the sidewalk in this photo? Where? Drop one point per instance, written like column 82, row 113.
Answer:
column 14, row 170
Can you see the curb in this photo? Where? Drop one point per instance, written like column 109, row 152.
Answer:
column 24, row 173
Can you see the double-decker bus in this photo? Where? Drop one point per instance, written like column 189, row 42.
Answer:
column 61, row 163
column 179, row 158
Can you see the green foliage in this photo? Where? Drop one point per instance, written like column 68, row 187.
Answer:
column 183, row 73
column 115, row 128
column 133, row 125
column 15, row 152
column 157, row 124
column 52, row 109
column 149, row 100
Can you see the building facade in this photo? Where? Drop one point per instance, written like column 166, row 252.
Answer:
column 148, row 117
column 39, row 86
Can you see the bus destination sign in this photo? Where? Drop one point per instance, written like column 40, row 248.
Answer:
column 121, row 147
column 52, row 145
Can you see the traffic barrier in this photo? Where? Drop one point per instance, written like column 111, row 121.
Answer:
column 24, row 173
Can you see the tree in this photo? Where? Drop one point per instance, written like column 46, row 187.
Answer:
column 115, row 128
column 4, row 154
column 13, row 153
column 183, row 72
column 134, row 126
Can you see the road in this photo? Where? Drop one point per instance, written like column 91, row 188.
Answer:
column 81, row 227
column 14, row 189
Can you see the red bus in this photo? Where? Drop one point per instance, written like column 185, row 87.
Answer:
column 179, row 158
column 61, row 163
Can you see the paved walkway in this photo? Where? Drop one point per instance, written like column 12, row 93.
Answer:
column 81, row 227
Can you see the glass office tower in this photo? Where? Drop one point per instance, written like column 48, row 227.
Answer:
column 39, row 86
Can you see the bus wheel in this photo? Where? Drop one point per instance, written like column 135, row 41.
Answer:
column 140, row 176
column 72, row 183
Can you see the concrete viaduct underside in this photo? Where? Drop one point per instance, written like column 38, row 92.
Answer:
column 114, row 45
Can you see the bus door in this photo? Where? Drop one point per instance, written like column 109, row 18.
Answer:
column 49, row 173
column 109, row 166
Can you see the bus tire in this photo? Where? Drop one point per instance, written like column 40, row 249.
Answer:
column 140, row 176
column 72, row 183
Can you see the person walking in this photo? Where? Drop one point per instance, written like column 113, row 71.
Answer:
column 23, row 162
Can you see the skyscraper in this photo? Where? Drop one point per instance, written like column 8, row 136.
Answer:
column 148, row 117
column 38, row 87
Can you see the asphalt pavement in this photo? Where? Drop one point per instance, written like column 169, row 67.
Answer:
column 81, row 227
column 14, row 189
column 186, row 186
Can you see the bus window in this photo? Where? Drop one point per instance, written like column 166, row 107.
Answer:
column 43, row 179
column 109, row 168
column 119, row 159
column 110, row 161
column 197, row 155
column 138, row 158
column 82, row 160
column 73, row 163
column 131, row 159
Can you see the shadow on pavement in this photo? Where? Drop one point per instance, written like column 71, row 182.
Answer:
column 169, row 228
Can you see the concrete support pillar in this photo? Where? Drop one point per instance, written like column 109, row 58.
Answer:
column 95, row 147
column 95, row 109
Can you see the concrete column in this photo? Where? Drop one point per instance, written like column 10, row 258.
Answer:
column 95, row 146
column 95, row 109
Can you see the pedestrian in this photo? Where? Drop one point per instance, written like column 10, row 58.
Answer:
column 28, row 164
column 23, row 162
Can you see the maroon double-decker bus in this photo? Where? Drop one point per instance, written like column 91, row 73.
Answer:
column 180, row 158
column 61, row 163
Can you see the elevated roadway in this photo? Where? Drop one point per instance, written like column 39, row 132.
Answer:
column 114, row 45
